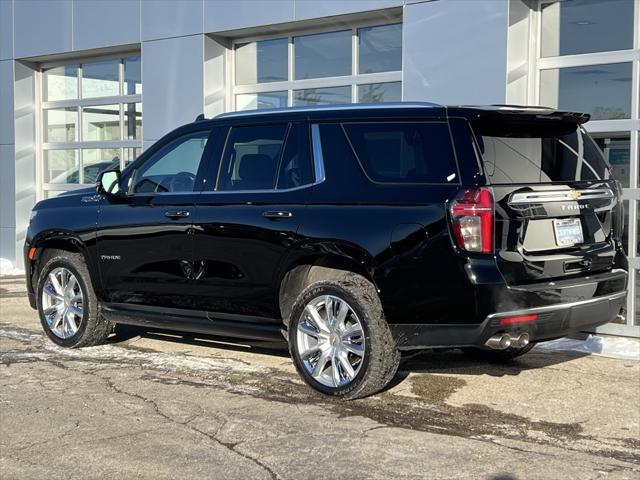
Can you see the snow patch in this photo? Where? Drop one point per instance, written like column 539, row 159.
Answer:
column 7, row 268
column 606, row 346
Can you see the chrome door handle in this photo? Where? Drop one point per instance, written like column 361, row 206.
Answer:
column 277, row 215
column 176, row 213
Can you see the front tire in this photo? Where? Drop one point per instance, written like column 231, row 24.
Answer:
column 67, row 304
column 339, row 340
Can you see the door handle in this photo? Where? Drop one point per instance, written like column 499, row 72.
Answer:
column 176, row 213
column 277, row 215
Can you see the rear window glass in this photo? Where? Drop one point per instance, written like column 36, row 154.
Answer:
column 565, row 157
column 251, row 158
column 411, row 152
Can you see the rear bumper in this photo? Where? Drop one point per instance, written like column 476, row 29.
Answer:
column 552, row 321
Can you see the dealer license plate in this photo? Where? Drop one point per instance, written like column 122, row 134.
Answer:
column 568, row 232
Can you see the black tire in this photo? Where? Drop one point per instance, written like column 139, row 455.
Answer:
column 381, row 357
column 497, row 356
column 93, row 328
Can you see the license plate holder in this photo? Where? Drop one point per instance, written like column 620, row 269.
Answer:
column 568, row 231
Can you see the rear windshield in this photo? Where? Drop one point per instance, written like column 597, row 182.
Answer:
column 565, row 156
column 404, row 152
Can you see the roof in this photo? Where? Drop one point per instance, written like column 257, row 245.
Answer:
column 502, row 113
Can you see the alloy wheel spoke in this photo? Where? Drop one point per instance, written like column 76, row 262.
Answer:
column 351, row 331
column 317, row 318
column 335, row 371
column 71, row 285
column 308, row 329
column 310, row 351
column 355, row 348
column 343, row 311
column 57, row 318
column 75, row 310
column 321, row 364
column 55, row 283
column 346, row 365
column 49, row 289
column 72, row 327
column 328, row 310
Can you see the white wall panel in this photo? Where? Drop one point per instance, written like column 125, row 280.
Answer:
column 455, row 52
column 42, row 27
column 172, row 75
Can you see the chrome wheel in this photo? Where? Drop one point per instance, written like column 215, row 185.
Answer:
column 330, row 341
column 62, row 303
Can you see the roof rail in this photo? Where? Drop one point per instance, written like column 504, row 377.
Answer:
column 334, row 107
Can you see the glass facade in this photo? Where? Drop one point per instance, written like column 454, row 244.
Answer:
column 360, row 64
column 91, row 119
column 589, row 61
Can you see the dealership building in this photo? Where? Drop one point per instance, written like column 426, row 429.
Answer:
column 89, row 83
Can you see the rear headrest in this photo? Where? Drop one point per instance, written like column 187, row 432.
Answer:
column 256, row 167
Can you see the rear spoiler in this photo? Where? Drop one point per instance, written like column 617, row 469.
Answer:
column 516, row 120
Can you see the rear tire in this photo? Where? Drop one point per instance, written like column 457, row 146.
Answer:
column 67, row 304
column 497, row 356
column 355, row 364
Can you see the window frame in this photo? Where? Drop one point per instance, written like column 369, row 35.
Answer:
column 454, row 155
column 315, row 155
column 79, row 104
column 353, row 80
column 132, row 169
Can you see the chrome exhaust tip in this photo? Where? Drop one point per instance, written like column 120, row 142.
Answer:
column 520, row 341
column 501, row 341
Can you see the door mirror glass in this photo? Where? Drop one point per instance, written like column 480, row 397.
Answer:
column 109, row 182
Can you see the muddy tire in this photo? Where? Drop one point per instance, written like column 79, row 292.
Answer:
column 67, row 304
column 338, row 320
column 497, row 356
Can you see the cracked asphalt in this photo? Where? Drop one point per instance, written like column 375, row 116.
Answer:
column 158, row 405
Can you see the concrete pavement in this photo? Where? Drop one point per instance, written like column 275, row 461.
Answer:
column 161, row 405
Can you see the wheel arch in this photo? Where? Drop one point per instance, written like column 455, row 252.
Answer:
column 304, row 269
column 49, row 241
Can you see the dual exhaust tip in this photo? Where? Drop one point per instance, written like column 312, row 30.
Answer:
column 502, row 341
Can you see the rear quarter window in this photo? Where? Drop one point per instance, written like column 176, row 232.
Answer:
column 404, row 152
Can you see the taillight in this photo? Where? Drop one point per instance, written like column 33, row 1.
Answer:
column 472, row 217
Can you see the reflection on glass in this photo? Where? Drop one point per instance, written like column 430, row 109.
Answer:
column 625, row 230
column 61, row 166
column 380, row 48
column 323, row 55
column 586, row 26
column 60, row 124
column 130, row 154
column 262, row 61
column 60, row 83
column 100, row 79
column 604, row 91
column 133, row 120
column 636, row 317
column 132, row 76
column 380, row 92
column 53, row 193
column 253, row 101
column 318, row 96
column 617, row 150
column 95, row 160
column 101, row 123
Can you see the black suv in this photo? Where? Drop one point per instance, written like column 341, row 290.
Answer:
column 358, row 231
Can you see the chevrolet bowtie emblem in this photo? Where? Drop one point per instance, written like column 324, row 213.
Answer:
column 574, row 194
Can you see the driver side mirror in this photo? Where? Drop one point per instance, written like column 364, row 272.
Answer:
column 109, row 183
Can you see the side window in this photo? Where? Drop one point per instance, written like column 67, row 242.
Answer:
column 295, row 168
column 251, row 158
column 174, row 167
column 404, row 152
